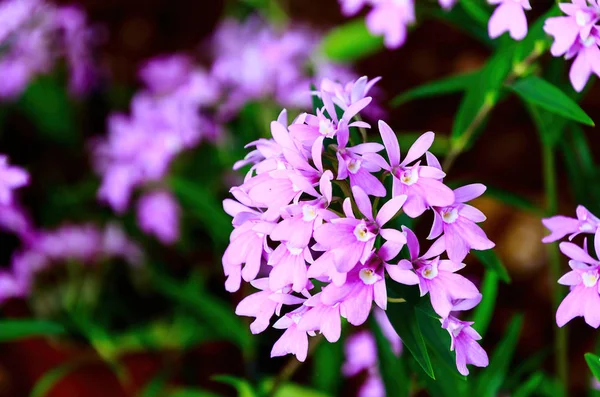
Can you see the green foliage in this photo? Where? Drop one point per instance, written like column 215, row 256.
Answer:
column 242, row 386
column 447, row 85
column 350, row 42
column 46, row 103
column 492, row 378
column 12, row 329
column 539, row 92
column 327, row 366
column 393, row 369
column 485, row 310
column 46, row 382
column 514, row 200
column 593, row 362
column 492, row 262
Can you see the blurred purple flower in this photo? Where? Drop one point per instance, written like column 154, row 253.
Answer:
column 11, row 178
column 158, row 214
column 34, row 34
column 560, row 225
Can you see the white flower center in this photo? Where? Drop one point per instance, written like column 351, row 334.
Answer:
column 296, row 318
column 362, row 233
column 368, row 276
column 582, row 18
column 294, row 250
column 309, row 213
column 586, row 227
column 326, row 127
column 589, row 41
column 455, row 328
column 409, row 177
column 354, row 165
column 449, row 215
column 429, row 272
column 590, row 278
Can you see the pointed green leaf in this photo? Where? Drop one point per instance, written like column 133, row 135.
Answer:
column 44, row 385
column 448, row 85
column 403, row 317
column 477, row 10
column 392, row 368
column 350, row 42
column 327, row 364
column 530, row 386
column 492, row 262
column 538, row 91
column 593, row 361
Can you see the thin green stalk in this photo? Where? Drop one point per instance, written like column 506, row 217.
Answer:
column 560, row 334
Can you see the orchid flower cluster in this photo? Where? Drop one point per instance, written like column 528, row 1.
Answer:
column 584, row 298
column 34, row 34
column 309, row 230
column 183, row 104
column 577, row 36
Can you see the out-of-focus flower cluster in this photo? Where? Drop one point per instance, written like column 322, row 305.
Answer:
column 584, row 298
column 34, row 35
column 40, row 249
column 309, row 230
column 577, row 36
column 183, row 103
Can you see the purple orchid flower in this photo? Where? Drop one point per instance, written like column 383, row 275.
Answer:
column 323, row 318
column 510, row 17
column 437, row 276
column 560, row 226
column 459, row 221
column 11, row 178
column 352, row 239
column 289, row 267
column 158, row 214
column 294, row 340
column 464, row 339
column 584, row 298
column 262, row 305
column 421, row 184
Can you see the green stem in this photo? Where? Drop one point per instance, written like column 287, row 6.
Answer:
column 560, row 334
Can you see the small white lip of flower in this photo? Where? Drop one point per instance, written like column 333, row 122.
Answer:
column 309, row 213
column 362, row 233
column 582, row 18
column 586, row 227
column 450, row 215
column 589, row 41
column 455, row 328
column 261, row 235
column 296, row 318
column 409, row 177
column 294, row 250
column 429, row 272
column 354, row 166
column 590, row 278
column 326, row 127
column 368, row 276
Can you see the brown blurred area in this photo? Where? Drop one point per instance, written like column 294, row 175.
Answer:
column 506, row 156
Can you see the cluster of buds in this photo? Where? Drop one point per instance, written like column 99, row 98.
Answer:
column 313, row 227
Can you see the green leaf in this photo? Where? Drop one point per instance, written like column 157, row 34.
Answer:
column 392, row 368
column 12, row 329
column 350, row 42
column 460, row 18
column 492, row 377
column 186, row 392
column 538, row 91
column 46, row 103
column 289, row 389
column 448, row 85
column 205, row 207
column 327, row 364
column 480, row 14
column 217, row 315
column 492, row 262
column 440, row 145
column 593, row 361
column 403, row 317
column 514, row 200
column 242, row 386
column 530, row 386
column 485, row 310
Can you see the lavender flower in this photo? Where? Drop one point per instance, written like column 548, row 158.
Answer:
column 158, row 214
column 509, row 16
column 11, row 178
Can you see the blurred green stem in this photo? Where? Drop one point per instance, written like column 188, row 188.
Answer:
column 560, row 334
column 517, row 71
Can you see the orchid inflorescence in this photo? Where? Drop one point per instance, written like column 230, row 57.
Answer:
column 584, row 298
column 309, row 230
